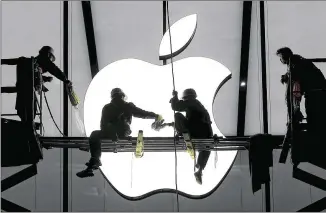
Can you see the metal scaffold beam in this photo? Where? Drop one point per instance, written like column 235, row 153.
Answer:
column 152, row 144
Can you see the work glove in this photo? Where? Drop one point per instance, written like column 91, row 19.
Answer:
column 68, row 83
column 284, row 78
column 157, row 124
column 175, row 95
column 159, row 118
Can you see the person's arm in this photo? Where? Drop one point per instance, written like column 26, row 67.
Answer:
column 10, row 61
column 54, row 70
column 178, row 105
column 140, row 113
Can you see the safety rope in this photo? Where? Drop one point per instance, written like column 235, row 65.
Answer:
column 173, row 81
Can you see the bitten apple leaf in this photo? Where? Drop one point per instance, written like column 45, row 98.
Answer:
column 182, row 33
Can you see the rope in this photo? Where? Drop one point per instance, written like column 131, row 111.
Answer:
column 175, row 148
column 47, row 104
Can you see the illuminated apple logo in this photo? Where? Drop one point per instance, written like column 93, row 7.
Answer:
column 149, row 87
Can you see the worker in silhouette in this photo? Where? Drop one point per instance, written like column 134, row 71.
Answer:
column 26, row 68
column 115, row 123
column 307, row 81
column 196, row 123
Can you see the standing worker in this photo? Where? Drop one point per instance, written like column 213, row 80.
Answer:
column 42, row 63
column 310, row 82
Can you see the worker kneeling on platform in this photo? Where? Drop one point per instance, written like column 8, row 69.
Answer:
column 196, row 124
column 115, row 123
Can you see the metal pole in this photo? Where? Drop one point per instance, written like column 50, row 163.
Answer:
column 65, row 174
column 244, row 61
column 264, row 88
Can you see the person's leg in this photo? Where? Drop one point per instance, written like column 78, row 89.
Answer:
column 95, row 140
column 95, row 150
column 314, row 114
column 25, row 113
column 181, row 123
column 203, row 157
column 95, row 147
column 201, row 131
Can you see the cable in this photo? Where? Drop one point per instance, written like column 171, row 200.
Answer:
column 175, row 147
column 41, row 123
column 47, row 104
column 269, row 92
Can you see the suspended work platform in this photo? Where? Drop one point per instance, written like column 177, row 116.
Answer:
column 153, row 144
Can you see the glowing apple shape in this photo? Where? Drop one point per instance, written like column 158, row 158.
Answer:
column 149, row 87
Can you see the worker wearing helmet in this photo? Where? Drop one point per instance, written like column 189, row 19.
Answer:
column 42, row 63
column 115, row 123
column 197, row 123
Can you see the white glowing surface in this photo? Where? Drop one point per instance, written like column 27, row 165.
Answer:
column 181, row 32
column 149, row 87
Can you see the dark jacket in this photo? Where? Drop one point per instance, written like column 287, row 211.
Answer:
column 198, row 118
column 119, row 112
column 24, row 75
column 306, row 73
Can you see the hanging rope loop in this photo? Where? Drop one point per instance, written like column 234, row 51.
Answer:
column 174, row 92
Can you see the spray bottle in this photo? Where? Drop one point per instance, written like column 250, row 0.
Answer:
column 75, row 102
column 72, row 96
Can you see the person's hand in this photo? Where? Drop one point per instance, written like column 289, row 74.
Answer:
column 284, row 78
column 68, row 83
column 174, row 93
column 47, row 78
column 159, row 118
column 157, row 124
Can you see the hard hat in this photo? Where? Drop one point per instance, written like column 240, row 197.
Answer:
column 47, row 51
column 189, row 93
column 117, row 91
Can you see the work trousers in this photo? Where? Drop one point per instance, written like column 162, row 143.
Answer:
column 111, row 132
column 196, row 130
column 315, row 104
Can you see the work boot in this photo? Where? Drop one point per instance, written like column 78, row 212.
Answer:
column 93, row 163
column 198, row 176
column 88, row 172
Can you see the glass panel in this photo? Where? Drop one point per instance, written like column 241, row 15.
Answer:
column 26, row 27
column 123, row 30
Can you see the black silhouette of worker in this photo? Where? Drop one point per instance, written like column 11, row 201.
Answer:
column 26, row 68
column 197, row 123
column 309, row 81
column 115, row 123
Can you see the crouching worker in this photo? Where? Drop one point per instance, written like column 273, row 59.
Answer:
column 115, row 123
column 197, row 123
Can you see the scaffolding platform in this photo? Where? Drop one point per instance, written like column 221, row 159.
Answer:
column 16, row 149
